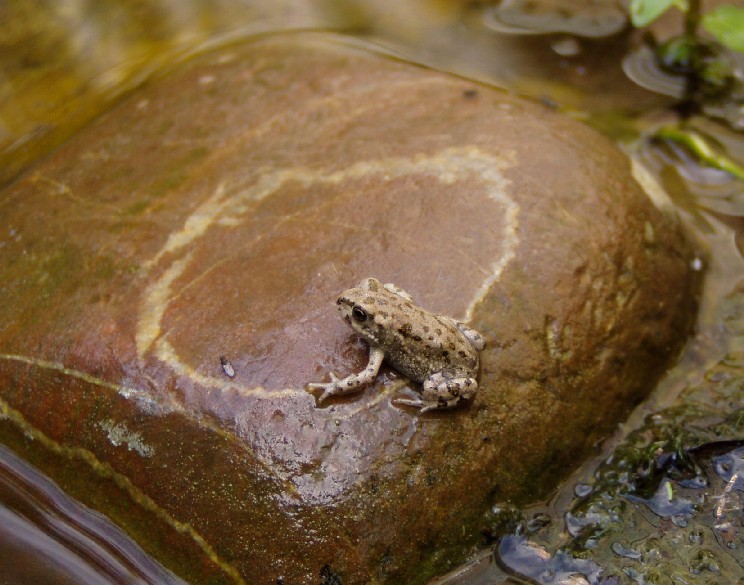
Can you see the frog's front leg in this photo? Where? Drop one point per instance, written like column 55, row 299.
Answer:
column 443, row 393
column 352, row 382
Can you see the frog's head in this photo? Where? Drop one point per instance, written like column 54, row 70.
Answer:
column 363, row 309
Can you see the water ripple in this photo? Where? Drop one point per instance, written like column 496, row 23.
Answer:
column 61, row 540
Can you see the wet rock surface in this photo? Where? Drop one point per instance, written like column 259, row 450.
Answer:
column 168, row 286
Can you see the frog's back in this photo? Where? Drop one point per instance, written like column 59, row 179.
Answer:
column 415, row 342
column 422, row 343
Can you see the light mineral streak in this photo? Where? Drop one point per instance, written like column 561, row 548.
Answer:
column 226, row 205
column 136, row 394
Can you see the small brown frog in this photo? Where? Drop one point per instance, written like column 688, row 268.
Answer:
column 433, row 349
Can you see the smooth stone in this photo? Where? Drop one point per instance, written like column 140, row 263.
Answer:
column 206, row 225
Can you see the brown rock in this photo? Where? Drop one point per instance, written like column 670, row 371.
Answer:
column 219, row 212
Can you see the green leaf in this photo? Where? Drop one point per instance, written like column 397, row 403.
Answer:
column 644, row 12
column 726, row 24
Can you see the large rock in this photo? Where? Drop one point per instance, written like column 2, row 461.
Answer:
column 219, row 212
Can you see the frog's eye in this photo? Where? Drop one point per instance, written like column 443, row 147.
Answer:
column 359, row 314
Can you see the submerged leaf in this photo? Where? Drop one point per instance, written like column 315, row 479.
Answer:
column 726, row 24
column 705, row 153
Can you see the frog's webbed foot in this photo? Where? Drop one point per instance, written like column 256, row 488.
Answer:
column 352, row 383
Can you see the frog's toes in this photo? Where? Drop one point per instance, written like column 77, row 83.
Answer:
column 329, row 388
column 440, row 404
column 334, row 377
column 418, row 403
column 328, row 392
column 427, row 405
column 314, row 385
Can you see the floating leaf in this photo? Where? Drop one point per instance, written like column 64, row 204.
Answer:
column 726, row 24
column 644, row 12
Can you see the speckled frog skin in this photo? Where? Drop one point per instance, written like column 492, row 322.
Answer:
column 433, row 349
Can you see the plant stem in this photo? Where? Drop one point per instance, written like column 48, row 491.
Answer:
column 692, row 18
column 689, row 104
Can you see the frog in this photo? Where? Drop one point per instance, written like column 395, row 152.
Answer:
column 437, row 351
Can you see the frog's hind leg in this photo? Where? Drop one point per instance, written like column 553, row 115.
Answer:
column 439, row 387
column 442, row 393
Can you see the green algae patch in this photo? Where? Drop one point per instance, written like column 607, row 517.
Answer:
column 171, row 179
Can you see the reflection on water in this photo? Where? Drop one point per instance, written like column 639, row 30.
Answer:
column 46, row 537
column 599, row 18
column 62, row 63
column 523, row 558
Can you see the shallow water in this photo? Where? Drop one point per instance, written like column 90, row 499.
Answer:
column 661, row 498
column 47, row 537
